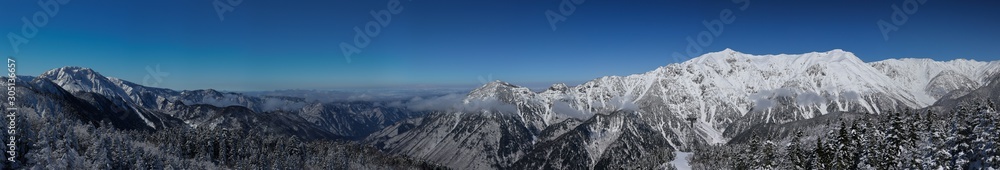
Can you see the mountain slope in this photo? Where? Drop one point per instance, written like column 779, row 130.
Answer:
column 38, row 98
column 491, row 129
column 989, row 93
column 191, row 107
column 613, row 140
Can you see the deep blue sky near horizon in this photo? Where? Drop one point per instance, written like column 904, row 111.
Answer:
column 265, row 45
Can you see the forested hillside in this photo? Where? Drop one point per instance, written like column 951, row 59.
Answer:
column 57, row 141
column 964, row 137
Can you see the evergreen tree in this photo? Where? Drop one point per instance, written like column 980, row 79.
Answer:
column 960, row 142
column 768, row 160
column 981, row 139
column 992, row 148
column 893, row 143
column 865, row 138
column 926, row 144
column 797, row 155
column 845, row 148
column 823, row 156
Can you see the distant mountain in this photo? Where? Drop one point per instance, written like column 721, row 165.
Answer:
column 350, row 95
column 709, row 99
column 128, row 105
column 79, row 79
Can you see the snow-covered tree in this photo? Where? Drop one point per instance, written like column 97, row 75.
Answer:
column 798, row 155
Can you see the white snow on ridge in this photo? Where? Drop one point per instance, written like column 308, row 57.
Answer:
column 916, row 74
column 148, row 123
column 718, row 87
column 704, row 100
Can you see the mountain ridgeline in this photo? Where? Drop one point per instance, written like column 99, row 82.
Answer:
column 640, row 121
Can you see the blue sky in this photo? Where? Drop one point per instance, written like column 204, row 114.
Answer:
column 264, row 45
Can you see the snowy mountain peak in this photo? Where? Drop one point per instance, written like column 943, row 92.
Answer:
column 77, row 78
column 494, row 86
column 561, row 87
column 72, row 72
column 499, row 90
column 842, row 55
column 720, row 56
column 73, row 69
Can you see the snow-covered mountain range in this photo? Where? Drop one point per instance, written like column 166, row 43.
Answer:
column 708, row 99
column 634, row 121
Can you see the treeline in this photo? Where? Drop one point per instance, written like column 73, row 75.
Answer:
column 965, row 137
column 57, row 142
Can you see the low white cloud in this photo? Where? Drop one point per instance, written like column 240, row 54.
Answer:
column 457, row 102
column 809, row 98
column 784, row 92
column 850, row 95
column 563, row 108
column 361, row 97
column 395, row 104
column 445, row 102
column 272, row 104
column 487, row 105
column 762, row 103
column 624, row 103
column 764, row 98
